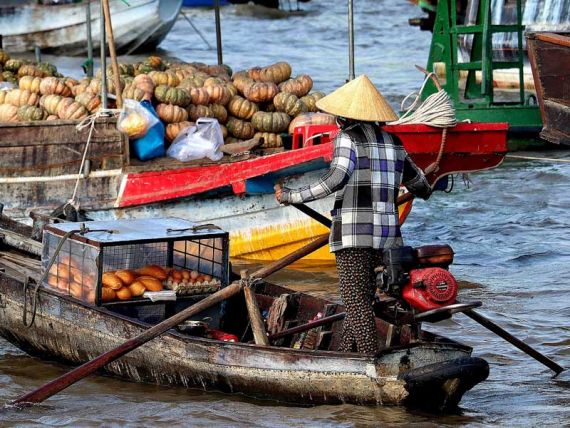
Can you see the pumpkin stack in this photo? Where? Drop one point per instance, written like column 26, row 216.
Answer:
column 261, row 103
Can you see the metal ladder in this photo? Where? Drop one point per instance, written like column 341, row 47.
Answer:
column 477, row 100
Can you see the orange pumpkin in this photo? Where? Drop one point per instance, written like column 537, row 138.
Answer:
column 171, row 114
column 173, row 129
column 219, row 94
column 261, row 92
column 199, row 96
column 72, row 111
column 242, row 108
column 8, row 113
column 276, row 73
column 144, row 82
column 91, row 101
column 31, row 70
column 133, row 92
column 30, row 83
column 21, row 97
column 164, row 78
column 299, row 86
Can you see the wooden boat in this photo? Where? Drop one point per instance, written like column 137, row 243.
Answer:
column 236, row 193
column 60, row 28
column 413, row 368
column 549, row 55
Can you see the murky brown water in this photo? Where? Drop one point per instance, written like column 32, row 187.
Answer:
column 510, row 230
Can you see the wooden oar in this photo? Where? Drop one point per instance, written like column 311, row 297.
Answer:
column 75, row 375
column 475, row 316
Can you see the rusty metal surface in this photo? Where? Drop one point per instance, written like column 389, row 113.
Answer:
column 71, row 332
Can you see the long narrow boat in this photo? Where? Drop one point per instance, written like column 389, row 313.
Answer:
column 549, row 55
column 39, row 165
column 61, row 28
column 414, row 367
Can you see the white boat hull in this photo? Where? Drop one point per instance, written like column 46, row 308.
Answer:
column 62, row 28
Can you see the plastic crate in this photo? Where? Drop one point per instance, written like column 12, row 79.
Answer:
column 312, row 135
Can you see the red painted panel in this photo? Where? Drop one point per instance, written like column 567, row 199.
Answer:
column 469, row 147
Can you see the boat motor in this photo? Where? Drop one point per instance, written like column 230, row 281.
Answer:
column 419, row 276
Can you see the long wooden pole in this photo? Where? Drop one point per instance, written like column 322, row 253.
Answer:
column 103, row 55
column 113, row 52
column 75, row 375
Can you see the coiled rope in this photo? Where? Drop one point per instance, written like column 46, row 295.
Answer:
column 437, row 110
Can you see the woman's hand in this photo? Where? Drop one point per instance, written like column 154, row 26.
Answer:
column 278, row 192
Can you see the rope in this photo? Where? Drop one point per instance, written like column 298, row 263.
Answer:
column 539, row 158
column 437, row 110
column 89, row 121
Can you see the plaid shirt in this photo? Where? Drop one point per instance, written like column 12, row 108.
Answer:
column 367, row 169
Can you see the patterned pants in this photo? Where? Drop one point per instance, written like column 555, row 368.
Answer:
column 357, row 286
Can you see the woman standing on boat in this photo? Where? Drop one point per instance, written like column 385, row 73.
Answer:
column 366, row 171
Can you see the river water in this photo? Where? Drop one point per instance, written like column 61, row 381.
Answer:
column 509, row 228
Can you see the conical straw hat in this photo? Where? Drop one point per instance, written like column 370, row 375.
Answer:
column 359, row 100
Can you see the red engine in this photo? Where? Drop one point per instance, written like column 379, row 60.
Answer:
column 430, row 288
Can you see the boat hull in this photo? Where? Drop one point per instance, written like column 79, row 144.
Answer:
column 61, row 29
column 549, row 55
column 68, row 331
column 236, row 194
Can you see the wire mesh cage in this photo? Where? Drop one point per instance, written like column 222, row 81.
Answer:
column 121, row 260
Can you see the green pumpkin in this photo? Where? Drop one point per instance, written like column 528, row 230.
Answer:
column 289, row 103
column 47, row 68
column 310, row 101
column 29, row 113
column 219, row 112
column 168, row 95
column 240, row 128
column 8, row 76
column 271, row 122
column 14, row 65
column 195, row 112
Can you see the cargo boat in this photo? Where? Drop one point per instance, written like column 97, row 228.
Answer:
column 413, row 368
column 39, row 165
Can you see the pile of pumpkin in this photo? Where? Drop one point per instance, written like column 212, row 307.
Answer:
column 262, row 102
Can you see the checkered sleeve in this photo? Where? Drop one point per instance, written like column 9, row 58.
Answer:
column 415, row 180
column 341, row 168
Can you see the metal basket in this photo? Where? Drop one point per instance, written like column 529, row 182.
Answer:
column 131, row 244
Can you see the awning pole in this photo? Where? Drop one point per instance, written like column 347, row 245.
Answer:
column 218, row 32
column 104, row 103
column 350, row 41
column 89, row 68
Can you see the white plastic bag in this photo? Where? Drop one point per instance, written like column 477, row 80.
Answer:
column 197, row 142
column 135, row 120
